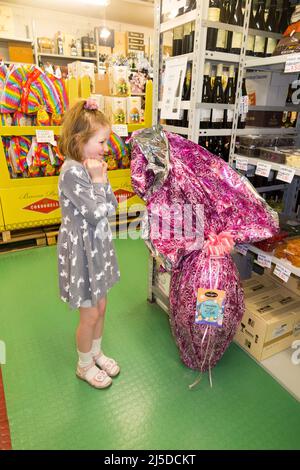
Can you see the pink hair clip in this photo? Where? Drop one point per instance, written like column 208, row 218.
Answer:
column 91, row 104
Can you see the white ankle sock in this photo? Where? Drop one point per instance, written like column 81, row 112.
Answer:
column 96, row 346
column 85, row 359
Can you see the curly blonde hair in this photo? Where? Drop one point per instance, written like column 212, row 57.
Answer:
column 79, row 125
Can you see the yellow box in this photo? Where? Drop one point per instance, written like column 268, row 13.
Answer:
column 120, row 181
column 30, row 206
column 20, row 52
column 2, row 227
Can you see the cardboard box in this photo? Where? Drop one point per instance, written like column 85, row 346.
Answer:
column 118, row 80
column 116, row 109
column 134, row 107
column 257, row 285
column 20, row 52
column 80, row 69
column 270, row 323
column 102, row 84
column 260, row 352
column 120, row 43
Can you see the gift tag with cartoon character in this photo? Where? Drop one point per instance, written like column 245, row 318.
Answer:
column 210, row 307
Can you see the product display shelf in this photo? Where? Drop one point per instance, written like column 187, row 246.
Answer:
column 274, row 166
column 274, row 62
column 68, row 57
column 277, row 261
column 16, row 39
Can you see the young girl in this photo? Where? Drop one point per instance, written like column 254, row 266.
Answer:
column 86, row 257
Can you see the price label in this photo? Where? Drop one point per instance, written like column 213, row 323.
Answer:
column 264, row 260
column 263, row 169
column 292, row 64
column 242, row 164
column 286, row 174
column 242, row 249
column 120, row 129
column 282, row 272
column 45, row 137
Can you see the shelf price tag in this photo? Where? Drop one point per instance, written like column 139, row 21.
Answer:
column 45, row 137
column 263, row 169
column 242, row 249
column 292, row 64
column 120, row 129
column 282, row 272
column 264, row 260
column 286, row 174
column 242, row 163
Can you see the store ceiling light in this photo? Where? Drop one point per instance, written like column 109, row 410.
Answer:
column 104, row 33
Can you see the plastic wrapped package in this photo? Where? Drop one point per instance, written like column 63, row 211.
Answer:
column 289, row 250
column 270, row 244
column 174, row 175
column 271, row 154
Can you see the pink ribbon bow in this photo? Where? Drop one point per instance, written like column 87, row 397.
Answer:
column 91, row 104
column 219, row 245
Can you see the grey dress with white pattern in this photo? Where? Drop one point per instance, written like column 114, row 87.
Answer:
column 87, row 262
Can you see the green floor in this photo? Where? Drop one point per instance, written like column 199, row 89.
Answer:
column 149, row 406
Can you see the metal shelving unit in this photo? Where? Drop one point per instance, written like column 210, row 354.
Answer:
column 193, row 132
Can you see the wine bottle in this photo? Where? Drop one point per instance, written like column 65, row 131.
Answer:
column 186, row 38
column 186, row 94
column 229, row 98
column 217, row 97
column 192, row 37
column 243, row 111
column 259, row 44
column 236, row 18
column 214, row 12
column 177, row 40
column 205, row 114
column 251, row 37
column 221, row 45
column 272, row 28
column 284, row 19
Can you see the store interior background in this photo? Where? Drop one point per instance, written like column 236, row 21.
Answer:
column 150, row 404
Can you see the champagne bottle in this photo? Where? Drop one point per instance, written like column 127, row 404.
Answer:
column 272, row 28
column 222, row 36
column 251, row 37
column 205, row 114
column 229, row 98
column 217, row 97
column 214, row 12
column 243, row 113
column 236, row 18
column 259, row 45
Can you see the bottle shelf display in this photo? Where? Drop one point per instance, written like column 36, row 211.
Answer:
column 228, row 44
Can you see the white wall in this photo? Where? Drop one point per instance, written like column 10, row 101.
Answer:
column 48, row 22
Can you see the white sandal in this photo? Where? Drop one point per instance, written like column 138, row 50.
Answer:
column 107, row 364
column 97, row 379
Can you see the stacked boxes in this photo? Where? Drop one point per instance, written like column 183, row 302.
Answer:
column 123, row 110
column 271, row 321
